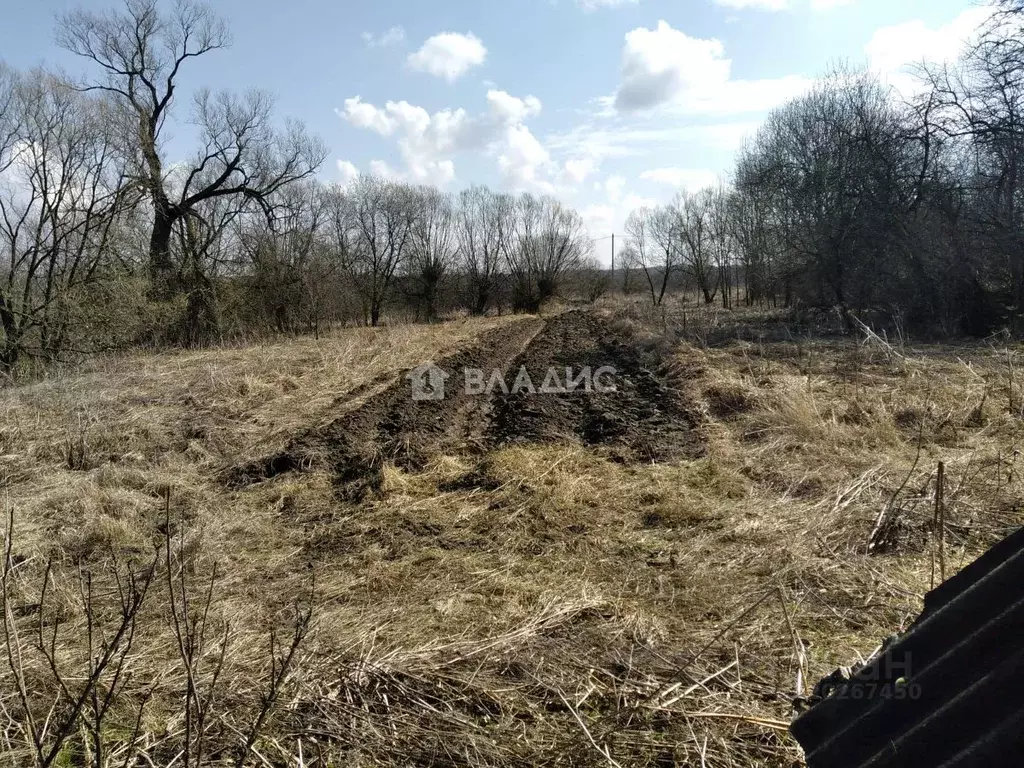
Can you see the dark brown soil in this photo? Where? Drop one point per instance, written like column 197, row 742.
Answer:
column 644, row 419
column 392, row 426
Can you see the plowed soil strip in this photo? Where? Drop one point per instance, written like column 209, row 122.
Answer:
column 391, row 426
column 643, row 419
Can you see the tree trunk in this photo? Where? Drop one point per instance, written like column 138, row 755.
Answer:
column 163, row 283
column 483, row 298
column 10, row 351
column 200, row 325
column 429, row 298
column 546, row 288
column 664, row 287
column 8, row 360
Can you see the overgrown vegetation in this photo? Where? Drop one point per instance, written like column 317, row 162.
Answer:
column 519, row 595
column 904, row 213
column 239, row 239
column 264, row 553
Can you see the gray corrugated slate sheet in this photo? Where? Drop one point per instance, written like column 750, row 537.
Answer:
column 947, row 694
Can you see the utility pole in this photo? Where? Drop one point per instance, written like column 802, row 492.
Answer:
column 613, row 256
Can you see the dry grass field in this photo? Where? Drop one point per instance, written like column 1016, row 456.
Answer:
column 644, row 577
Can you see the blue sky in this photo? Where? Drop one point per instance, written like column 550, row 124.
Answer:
column 608, row 104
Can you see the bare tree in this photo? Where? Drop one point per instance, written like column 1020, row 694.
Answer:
column 722, row 241
column 750, row 229
column 60, row 205
column 980, row 104
column 485, row 223
column 140, row 52
column 286, row 256
column 594, row 279
column 691, row 230
column 565, row 244
column 550, row 240
column 651, row 250
column 434, row 247
column 204, row 250
column 383, row 215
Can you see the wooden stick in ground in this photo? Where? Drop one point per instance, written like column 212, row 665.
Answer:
column 695, row 686
column 693, row 660
column 798, row 646
column 940, row 518
column 762, row 721
column 602, row 750
column 874, row 337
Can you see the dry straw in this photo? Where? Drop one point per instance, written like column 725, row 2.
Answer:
column 520, row 605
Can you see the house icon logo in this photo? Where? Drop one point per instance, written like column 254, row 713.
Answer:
column 427, row 382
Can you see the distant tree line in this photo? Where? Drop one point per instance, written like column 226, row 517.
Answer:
column 854, row 198
column 105, row 242
column 849, row 197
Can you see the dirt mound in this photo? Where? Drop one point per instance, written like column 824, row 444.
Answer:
column 391, row 426
column 627, row 407
column 602, row 394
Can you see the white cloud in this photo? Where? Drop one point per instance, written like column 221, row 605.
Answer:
column 524, row 162
column 600, row 219
column 578, row 169
column 633, row 201
column 892, row 50
column 666, row 66
column 685, row 178
column 633, row 138
column 613, row 186
column 511, row 109
column 449, row 55
column 426, row 141
column 347, row 172
column 828, row 5
column 604, row 217
column 394, row 36
column 593, row 5
column 735, row 97
column 436, row 173
column 429, row 142
column 762, row 5
column 659, row 64
column 363, row 115
column 381, row 168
